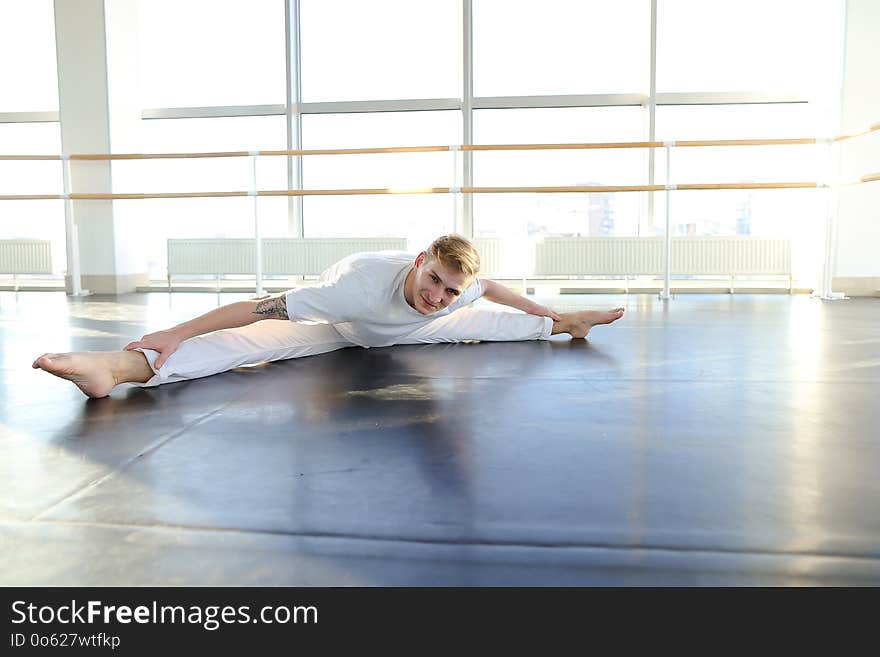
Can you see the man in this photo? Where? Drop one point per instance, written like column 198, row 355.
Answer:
column 367, row 299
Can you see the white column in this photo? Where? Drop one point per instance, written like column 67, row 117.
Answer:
column 855, row 267
column 99, row 105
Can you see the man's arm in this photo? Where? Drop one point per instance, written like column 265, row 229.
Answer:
column 234, row 315
column 498, row 293
column 332, row 301
column 231, row 316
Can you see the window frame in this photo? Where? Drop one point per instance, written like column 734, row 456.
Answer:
column 294, row 109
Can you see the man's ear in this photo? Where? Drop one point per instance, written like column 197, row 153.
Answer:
column 420, row 259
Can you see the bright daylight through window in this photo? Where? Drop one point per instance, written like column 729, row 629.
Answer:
column 392, row 73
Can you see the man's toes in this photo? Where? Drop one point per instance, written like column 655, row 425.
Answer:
column 48, row 362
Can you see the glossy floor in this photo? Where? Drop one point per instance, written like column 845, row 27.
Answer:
column 710, row 439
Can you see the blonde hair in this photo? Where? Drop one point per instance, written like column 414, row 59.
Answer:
column 457, row 252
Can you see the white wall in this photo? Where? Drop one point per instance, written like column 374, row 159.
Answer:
column 858, row 241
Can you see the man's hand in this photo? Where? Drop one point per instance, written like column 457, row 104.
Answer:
column 165, row 342
column 543, row 311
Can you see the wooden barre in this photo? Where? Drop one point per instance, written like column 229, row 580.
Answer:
column 635, row 188
column 434, row 190
column 638, row 144
column 112, row 197
column 332, row 151
column 158, row 156
column 554, row 190
column 361, row 151
column 354, row 192
column 746, row 142
column 424, row 190
column 447, row 190
column 424, row 149
column 873, row 128
column 290, row 192
column 30, row 157
column 790, row 185
column 30, row 197
column 434, row 149
column 576, row 146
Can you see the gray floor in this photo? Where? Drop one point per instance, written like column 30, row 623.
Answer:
column 708, row 440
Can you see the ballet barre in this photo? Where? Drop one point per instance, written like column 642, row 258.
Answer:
column 668, row 187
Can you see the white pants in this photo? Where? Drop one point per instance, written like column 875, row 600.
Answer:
column 276, row 339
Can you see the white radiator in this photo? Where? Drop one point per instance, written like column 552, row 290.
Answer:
column 311, row 256
column 280, row 256
column 211, row 256
column 490, row 250
column 734, row 256
column 25, row 257
column 632, row 256
column 598, row 256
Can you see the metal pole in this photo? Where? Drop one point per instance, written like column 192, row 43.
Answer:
column 455, row 189
column 832, row 198
column 72, row 236
column 258, row 241
column 667, row 251
column 293, row 50
column 828, row 194
column 467, row 111
column 652, row 117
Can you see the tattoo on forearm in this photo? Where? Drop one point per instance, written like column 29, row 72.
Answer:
column 273, row 307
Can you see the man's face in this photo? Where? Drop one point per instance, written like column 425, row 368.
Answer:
column 435, row 286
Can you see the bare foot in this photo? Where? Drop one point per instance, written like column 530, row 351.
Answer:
column 96, row 373
column 579, row 324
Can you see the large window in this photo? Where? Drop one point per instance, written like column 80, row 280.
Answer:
column 203, row 217
column 415, row 217
column 211, row 52
column 29, row 84
column 747, row 45
column 42, row 220
column 355, row 50
column 391, row 72
column 28, row 74
column 792, row 213
column 560, row 47
column 535, row 215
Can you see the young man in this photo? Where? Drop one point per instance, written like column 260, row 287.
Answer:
column 367, row 299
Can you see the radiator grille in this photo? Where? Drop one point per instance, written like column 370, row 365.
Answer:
column 211, row 256
column 730, row 255
column 311, row 256
column 25, row 257
column 554, row 256
column 490, row 250
column 302, row 257
column 621, row 256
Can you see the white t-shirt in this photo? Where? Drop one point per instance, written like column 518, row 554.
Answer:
column 362, row 297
